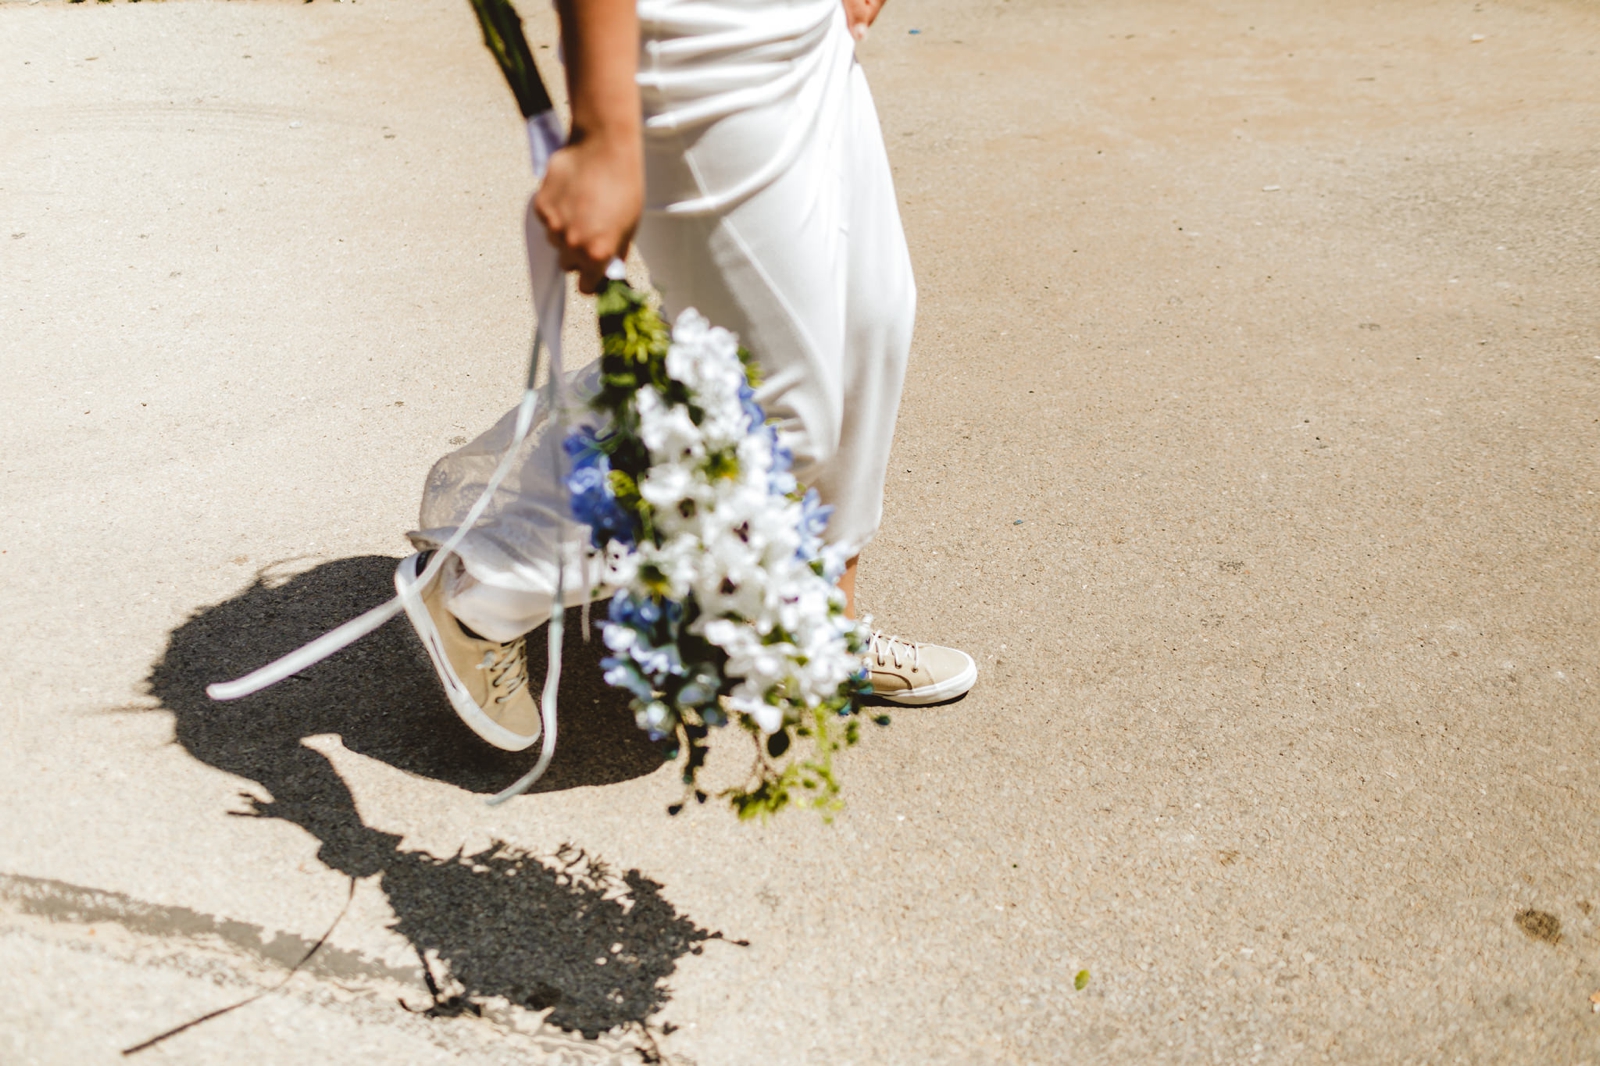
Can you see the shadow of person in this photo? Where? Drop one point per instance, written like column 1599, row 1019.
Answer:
column 380, row 694
column 567, row 933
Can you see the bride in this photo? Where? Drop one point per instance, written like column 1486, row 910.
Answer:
column 737, row 142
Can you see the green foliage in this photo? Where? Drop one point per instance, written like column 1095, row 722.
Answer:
column 752, row 369
column 806, row 781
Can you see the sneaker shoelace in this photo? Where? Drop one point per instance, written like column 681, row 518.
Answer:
column 886, row 649
column 507, row 666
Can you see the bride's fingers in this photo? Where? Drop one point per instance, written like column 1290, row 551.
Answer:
column 590, row 278
column 539, row 214
column 588, row 259
column 860, row 15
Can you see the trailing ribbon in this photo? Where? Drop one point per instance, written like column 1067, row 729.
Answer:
column 544, row 269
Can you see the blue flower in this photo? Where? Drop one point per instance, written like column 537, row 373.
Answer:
column 589, row 485
column 657, row 719
column 782, row 457
column 657, row 662
column 594, row 505
column 780, row 482
column 583, row 445
column 646, row 615
column 752, row 410
column 621, row 673
column 640, row 614
column 814, row 516
column 700, row 689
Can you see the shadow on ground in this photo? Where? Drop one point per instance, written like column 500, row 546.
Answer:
column 502, row 922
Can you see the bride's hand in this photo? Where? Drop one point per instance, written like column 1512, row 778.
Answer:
column 590, row 202
column 593, row 191
column 860, row 14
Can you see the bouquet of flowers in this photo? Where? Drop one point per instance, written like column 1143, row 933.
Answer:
column 727, row 608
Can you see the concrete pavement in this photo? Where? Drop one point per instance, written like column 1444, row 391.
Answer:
column 1250, row 444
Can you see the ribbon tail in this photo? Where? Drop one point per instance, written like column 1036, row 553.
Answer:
column 544, row 270
column 544, row 139
column 547, row 713
column 358, row 627
column 309, row 655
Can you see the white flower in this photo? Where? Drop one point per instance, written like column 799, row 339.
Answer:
column 668, row 485
column 733, row 541
column 675, row 560
column 620, row 638
column 668, row 432
column 745, row 700
column 620, row 566
column 834, row 558
column 705, row 358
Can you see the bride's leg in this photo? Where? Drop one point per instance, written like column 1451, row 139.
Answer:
column 847, row 585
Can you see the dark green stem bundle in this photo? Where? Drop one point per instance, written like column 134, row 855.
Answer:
column 502, row 35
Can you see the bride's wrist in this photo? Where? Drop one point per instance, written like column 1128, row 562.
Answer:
column 615, row 144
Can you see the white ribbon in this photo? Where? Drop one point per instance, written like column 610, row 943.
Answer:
column 545, row 137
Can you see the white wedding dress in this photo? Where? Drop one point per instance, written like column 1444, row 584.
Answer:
column 769, row 208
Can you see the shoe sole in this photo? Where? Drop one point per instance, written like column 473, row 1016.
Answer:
column 476, row 719
column 947, row 689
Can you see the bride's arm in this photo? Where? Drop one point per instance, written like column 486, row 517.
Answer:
column 593, row 192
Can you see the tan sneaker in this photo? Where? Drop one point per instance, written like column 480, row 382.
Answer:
column 487, row 681
column 913, row 674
